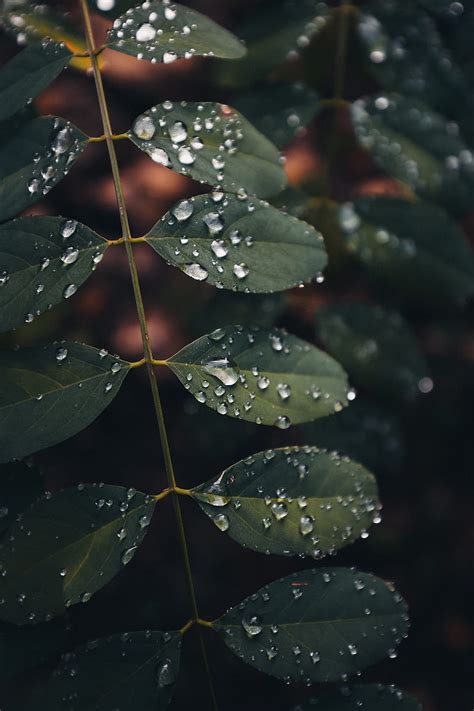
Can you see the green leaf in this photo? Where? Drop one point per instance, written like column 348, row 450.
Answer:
column 370, row 697
column 290, row 501
column 316, row 625
column 44, row 259
column 20, row 485
column 292, row 200
column 164, row 33
column 49, row 393
column 28, row 73
column 414, row 249
column 274, row 32
column 279, row 111
column 67, row 546
column 365, row 431
column 128, row 671
column 36, row 158
column 112, row 8
column 419, row 147
column 376, row 347
column 213, row 144
column 424, row 68
column 267, row 377
column 243, row 245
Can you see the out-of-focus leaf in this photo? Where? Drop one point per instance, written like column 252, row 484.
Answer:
column 279, row 111
column 419, row 147
column 43, row 260
column 364, row 431
column 67, row 546
column 292, row 501
column 24, row 648
column 278, row 30
column 49, row 393
column 267, row 377
column 248, row 309
column 112, row 8
column 27, row 74
column 20, row 485
column 371, row 697
column 243, row 245
column 34, row 160
column 291, row 200
column 213, row 144
column 415, row 249
column 376, row 347
column 316, row 625
column 406, row 53
column 322, row 213
column 164, row 32
column 128, row 671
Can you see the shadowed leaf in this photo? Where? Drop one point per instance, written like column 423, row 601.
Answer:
column 267, row 377
column 20, row 485
column 49, row 393
column 296, row 500
column 243, row 245
column 67, row 546
column 317, row 625
column 371, row 697
column 211, row 143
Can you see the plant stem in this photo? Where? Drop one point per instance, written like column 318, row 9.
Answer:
column 148, row 354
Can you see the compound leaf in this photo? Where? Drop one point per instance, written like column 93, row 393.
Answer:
column 296, row 500
column 243, row 245
column 415, row 249
column 39, row 154
column 370, row 697
column 67, row 546
column 267, row 377
column 28, row 73
column 212, row 143
column 316, row 625
column 164, row 33
column 44, row 259
column 49, row 393
column 376, row 347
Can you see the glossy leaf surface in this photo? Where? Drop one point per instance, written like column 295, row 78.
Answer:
column 29, row 73
column 376, row 347
column 316, row 625
column 415, row 249
column 39, row 154
column 67, row 546
column 296, row 500
column 369, row 697
column 49, row 393
column 268, row 377
column 165, row 32
column 211, row 143
column 243, row 245
column 43, row 260
column 127, row 671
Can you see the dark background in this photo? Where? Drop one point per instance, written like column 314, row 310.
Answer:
column 424, row 543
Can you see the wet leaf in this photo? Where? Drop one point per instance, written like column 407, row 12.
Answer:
column 49, row 393
column 67, row 546
column 414, row 249
column 267, row 377
column 112, row 8
column 127, row 671
column 417, row 146
column 376, row 347
column 243, row 245
column 279, row 111
column 38, row 156
column 29, row 73
column 317, row 625
column 292, row 201
column 20, row 485
column 370, row 697
column 296, row 500
column 275, row 31
column 166, row 32
column 43, row 260
column 211, row 143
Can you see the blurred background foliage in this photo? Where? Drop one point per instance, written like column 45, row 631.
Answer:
column 308, row 66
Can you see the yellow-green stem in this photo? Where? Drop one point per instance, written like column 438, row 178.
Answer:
column 148, row 354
